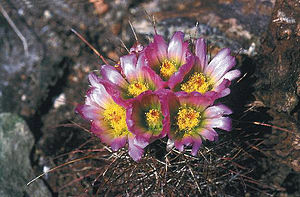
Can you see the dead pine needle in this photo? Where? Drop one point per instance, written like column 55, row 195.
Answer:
column 57, row 167
column 152, row 19
column 16, row 30
column 133, row 31
column 89, row 45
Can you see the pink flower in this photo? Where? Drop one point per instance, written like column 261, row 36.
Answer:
column 108, row 119
column 147, row 116
column 162, row 89
column 165, row 59
column 201, row 76
column 133, row 79
column 193, row 118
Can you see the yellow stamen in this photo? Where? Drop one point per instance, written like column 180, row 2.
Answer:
column 136, row 88
column 197, row 82
column 167, row 68
column 187, row 119
column 115, row 115
column 153, row 117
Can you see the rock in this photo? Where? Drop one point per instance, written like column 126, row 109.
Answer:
column 277, row 86
column 16, row 143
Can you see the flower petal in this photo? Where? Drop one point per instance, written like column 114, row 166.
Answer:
column 160, row 46
column 231, row 75
column 150, row 76
column 116, row 93
column 178, row 76
column 223, row 67
column 98, row 127
column 216, row 60
column 111, row 74
column 200, row 51
column 209, row 134
column 141, row 61
column 103, row 130
column 217, row 111
column 135, row 151
column 177, row 48
column 221, row 123
column 94, row 80
column 128, row 65
column 98, row 97
column 179, row 145
column 88, row 112
column 197, row 99
column 118, row 143
column 196, row 145
column 223, row 89
column 156, row 52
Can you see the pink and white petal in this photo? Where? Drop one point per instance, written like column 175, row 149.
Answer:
column 196, row 145
column 152, row 58
column 116, row 93
column 209, row 134
column 103, row 130
column 223, row 86
column 128, row 65
column 224, row 92
column 161, row 47
column 231, row 75
column 216, row 60
column 94, row 80
column 118, row 143
column 178, row 76
column 135, row 151
column 141, row 61
column 177, row 48
column 217, row 111
column 179, row 145
column 99, row 97
column 88, row 112
column 197, row 66
column 221, row 123
column 187, row 140
column 223, row 67
column 140, row 142
column 185, row 53
column 112, row 75
column 201, row 100
column 200, row 51
column 100, row 128
column 89, row 100
column 151, row 76
column 156, row 52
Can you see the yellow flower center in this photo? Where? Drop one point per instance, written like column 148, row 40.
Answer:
column 197, row 82
column 167, row 68
column 153, row 118
column 136, row 88
column 187, row 119
column 115, row 115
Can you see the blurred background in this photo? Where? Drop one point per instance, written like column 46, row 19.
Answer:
column 44, row 68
